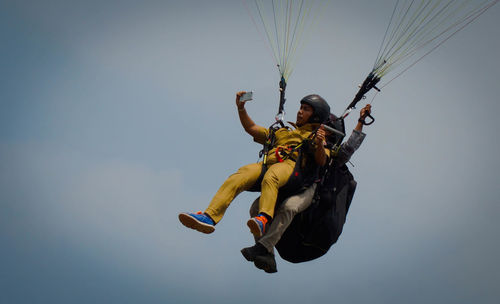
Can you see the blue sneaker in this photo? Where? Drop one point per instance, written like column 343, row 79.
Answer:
column 198, row 221
column 257, row 225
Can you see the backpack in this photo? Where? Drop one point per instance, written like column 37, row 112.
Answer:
column 313, row 231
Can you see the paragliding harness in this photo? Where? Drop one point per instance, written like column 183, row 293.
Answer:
column 313, row 231
column 305, row 170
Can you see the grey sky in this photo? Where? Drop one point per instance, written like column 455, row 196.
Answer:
column 117, row 115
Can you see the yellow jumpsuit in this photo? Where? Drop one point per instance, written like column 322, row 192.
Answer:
column 276, row 176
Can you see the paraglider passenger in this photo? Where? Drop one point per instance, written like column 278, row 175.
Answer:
column 262, row 253
column 313, row 111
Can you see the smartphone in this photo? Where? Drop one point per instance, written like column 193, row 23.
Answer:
column 246, row 97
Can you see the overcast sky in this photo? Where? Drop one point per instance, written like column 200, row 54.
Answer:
column 117, row 115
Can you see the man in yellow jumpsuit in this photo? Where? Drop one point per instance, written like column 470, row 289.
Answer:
column 313, row 111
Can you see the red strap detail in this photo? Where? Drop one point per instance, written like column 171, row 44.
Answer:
column 278, row 156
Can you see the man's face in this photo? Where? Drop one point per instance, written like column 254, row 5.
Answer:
column 303, row 115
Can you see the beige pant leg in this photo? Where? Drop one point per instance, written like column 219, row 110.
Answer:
column 276, row 176
column 284, row 216
column 238, row 182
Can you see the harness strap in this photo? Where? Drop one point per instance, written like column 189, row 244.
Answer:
column 287, row 152
column 269, row 143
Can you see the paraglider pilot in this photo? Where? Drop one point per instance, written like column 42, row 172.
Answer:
column 262, row 253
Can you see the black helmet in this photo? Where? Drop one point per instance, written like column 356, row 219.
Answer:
column 320, row 106
column 337, row 124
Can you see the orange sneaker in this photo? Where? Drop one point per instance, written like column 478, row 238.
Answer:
column 258, row 225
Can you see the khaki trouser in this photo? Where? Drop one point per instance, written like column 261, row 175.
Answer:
column 276, row 176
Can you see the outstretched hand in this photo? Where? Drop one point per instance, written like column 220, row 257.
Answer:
column 240, row 104
column 365, row 111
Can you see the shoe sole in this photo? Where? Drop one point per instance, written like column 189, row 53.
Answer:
column 264, row 266
column 246, row 254
column 193, row 223
column 254, row 228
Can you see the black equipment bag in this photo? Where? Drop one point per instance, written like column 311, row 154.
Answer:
column 313, row 231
